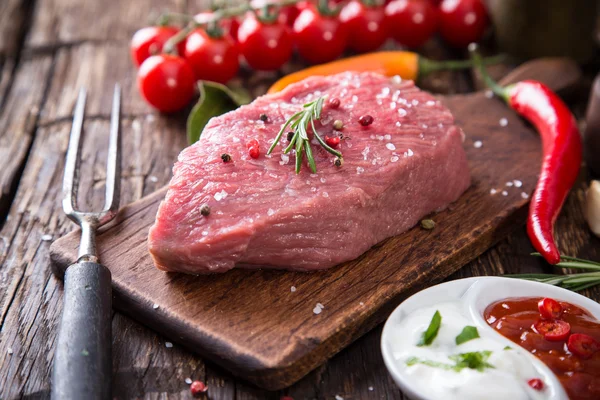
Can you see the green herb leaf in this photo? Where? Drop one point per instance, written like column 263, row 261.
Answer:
column 468, row 333
column 435, row 364
column 507, row 348
column 472, row 360
column 215, row 99
column 299, row 124
column 476, row 360
column 575, row 282
column 432, row 330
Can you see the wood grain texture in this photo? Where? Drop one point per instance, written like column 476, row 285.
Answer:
column 275, row 339
column 31, row 298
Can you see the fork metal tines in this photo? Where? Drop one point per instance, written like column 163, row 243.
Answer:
column 90, row 221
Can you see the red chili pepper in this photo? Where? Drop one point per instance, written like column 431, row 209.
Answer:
column 561, row 145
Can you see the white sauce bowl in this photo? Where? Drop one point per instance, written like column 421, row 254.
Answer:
column 476, row 294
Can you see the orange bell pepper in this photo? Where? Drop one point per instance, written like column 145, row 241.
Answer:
column 406, row 64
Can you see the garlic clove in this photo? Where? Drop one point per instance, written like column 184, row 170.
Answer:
column 592, row 206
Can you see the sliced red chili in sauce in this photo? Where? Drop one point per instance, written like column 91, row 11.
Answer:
column 553, row 330
column 549, row 308
column 575, row 359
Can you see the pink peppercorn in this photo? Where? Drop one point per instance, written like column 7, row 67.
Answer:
column 365, row 120
column 334, row 102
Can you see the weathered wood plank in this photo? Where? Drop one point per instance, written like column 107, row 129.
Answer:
column 13, row 14
column 57, row 22
column 18, row 118
column 97, row 67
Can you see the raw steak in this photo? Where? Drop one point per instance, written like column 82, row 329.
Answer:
column 406, row 164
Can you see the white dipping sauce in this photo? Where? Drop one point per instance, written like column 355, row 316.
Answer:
column 507, row 380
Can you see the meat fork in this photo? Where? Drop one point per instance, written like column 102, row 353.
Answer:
column 82, row 361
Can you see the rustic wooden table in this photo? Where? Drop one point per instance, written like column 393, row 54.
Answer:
column 48, row 50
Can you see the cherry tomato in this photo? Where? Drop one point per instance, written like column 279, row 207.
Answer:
column 266, row 46
column 365, row 25
column 411, row 22
column 319, row 38
column 550, row 308
column 462, row 21
column 228, row 25
column 582, row 345
column 212, row 59
column 166, row 82
column 553, row 330
column 286, row 14
column 536, row 384
column 150, row 40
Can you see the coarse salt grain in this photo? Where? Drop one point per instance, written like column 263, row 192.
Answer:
column 220, row 195
column 489, row 94
column 365, row 153
column 9, row 351
column 524, row 195
column 518, row 183
column 390, row 146
column 46, row 238
column 320, row 305
column 338, row 397
column 387, row 137
column 371, row 388
column 402, row 112
column 478, row 144
column 322, row 180
column 188, row 381
column 153, row 179
column 397, row 79
column 293, row 289
column 360, row 170
column 504, row 193
column 270, row 212
column 204, row 233
column 354, row 98
column 155, row 306
column 509, row 184
column 415, row 102
column 317, row 310
column 398, row 124
column 394, row 159
column 503, row 122
column 409, row 153
column 168, row 345
column 430, row 103
column 325, row 194
column 493, row 191
column 284, row 159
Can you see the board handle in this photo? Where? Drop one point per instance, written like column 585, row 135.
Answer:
column 82, row 361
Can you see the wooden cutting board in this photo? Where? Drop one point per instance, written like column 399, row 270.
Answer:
column 260, row 324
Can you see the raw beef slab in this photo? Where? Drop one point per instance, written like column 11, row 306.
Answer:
column 406, row 164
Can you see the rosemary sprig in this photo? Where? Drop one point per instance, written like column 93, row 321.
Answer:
column 299, row 123
column 575, row 282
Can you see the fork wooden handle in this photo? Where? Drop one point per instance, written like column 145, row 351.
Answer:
column 82, row 362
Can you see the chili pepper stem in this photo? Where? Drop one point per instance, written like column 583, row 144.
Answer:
column 427, row 65
column 502, row 92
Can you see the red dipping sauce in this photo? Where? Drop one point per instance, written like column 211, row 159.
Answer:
column 572, row 354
